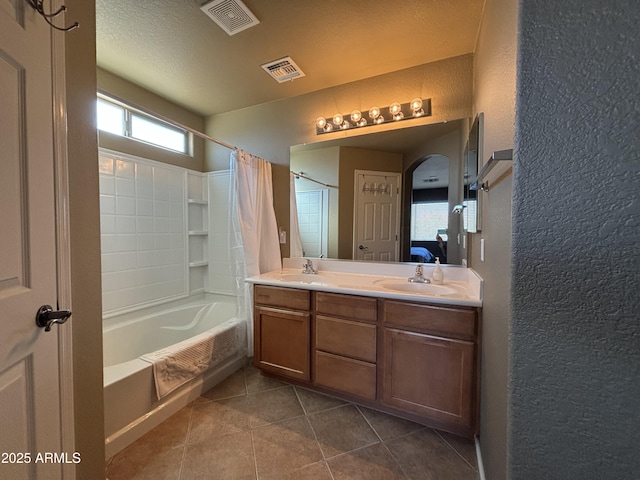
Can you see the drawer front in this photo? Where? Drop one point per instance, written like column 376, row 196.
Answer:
column 282, row 297
column 347, row 338
column 351, row 306
column 457, row 322
column 346, row 375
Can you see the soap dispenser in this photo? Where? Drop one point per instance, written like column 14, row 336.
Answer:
column 438, row 277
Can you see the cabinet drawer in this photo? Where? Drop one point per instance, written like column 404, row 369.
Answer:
column 345, row 337
column 282, row 297
column 351, row 306
column 346, row 375
column 457, row 322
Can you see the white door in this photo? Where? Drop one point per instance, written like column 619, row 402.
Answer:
column 376, row 227
column 30, row 425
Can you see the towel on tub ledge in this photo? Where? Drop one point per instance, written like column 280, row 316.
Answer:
column 175, row 365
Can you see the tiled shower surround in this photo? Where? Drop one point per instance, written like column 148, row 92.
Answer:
column 164, row 232
column 143, row 232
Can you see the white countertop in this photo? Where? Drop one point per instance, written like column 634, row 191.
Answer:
column 462, row 286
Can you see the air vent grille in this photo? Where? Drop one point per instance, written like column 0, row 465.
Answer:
column 283, row 69
column 232, row 16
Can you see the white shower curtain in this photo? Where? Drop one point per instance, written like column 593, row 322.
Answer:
column 295, row 241
column 253, row 200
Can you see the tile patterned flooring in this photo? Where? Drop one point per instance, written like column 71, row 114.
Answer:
column 251, row 427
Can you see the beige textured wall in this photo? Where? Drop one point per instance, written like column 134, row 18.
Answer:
column 494, row 94
column 268, row 130
column 118, row 87
column 84, row 215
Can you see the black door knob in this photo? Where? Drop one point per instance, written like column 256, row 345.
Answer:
column 47, row 316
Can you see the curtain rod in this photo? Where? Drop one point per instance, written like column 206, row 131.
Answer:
column 301, row 175
column 168, row 120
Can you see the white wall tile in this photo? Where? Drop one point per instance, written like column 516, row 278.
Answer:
column 107, row 204
column 125, row 187
column 125, row 169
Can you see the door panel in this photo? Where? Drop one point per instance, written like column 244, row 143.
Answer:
column 29, row 377
column 376, row 215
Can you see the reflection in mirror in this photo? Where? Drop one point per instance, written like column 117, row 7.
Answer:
column 330, row 210
column 430, row 210
column 473, row 154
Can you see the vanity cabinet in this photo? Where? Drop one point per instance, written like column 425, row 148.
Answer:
column 412, row 359
column 345, row 343
column 430, row 362
column 282, row 329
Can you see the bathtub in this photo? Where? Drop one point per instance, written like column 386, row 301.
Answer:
column 131, row 406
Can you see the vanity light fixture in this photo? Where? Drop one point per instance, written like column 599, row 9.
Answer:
column 416, row 108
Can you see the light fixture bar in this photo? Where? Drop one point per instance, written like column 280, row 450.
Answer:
column 395, row 112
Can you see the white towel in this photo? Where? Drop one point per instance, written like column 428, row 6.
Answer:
column 175, row 365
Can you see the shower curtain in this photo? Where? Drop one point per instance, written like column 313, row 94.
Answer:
column 295, row 241
column 255, row 244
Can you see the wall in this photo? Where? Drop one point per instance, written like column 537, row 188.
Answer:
column 575, row 333
column 494, row 94
column 84, row 217
column 268, row 130
column 121, row 89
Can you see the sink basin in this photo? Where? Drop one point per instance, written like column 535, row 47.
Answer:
column 423, row 288
column 300, row 278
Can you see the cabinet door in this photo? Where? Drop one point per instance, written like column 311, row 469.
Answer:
column 282, row 342
column 430, row 376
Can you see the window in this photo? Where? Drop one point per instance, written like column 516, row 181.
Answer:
column 119, row 119
column 429, row 218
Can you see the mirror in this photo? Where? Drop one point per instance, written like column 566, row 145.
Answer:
column 422, row 154
column 472, row 156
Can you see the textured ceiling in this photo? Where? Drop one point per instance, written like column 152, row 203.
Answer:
column 173, row 49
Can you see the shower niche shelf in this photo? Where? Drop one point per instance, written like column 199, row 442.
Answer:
column 198, row 231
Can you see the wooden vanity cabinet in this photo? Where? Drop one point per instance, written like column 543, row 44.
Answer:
column 345, row 344
column 412, row 359
column 282, row 329
column 430, row 363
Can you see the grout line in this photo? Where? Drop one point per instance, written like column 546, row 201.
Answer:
column 186, row 443
column 384, row 445
column 454, row 449
column 253, row 452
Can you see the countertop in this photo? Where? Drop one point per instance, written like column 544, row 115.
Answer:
column 462, row 286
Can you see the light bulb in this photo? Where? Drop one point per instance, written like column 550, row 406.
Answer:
column 379, row 119
column 321, row 122
column 416, row 104
column 395, row 108
column 374, row 112
column 356, row 115
column 362, row 122
column 337, row 119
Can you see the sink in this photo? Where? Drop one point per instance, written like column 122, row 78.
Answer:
column 300, row 278
column 421, row 288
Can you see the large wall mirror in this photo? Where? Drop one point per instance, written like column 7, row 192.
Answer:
column 429, row 163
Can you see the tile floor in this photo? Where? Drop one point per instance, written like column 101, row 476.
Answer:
column 251, row 427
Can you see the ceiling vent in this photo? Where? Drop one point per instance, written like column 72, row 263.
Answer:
column 283, row 69
column 232, row 16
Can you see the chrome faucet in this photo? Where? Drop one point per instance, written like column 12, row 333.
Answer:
column 308, row 267
column 419, row 276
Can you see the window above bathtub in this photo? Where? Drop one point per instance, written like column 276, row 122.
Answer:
column 118, row 118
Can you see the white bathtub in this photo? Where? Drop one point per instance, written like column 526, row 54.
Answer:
column 131, row 405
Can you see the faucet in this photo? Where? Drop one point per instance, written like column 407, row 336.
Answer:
column 419, row 277
column 308, row 267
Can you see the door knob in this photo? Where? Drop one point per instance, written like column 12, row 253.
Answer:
column 362, row 247
column 47, row 316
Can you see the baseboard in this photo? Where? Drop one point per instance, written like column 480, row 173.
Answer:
column 481, row 475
